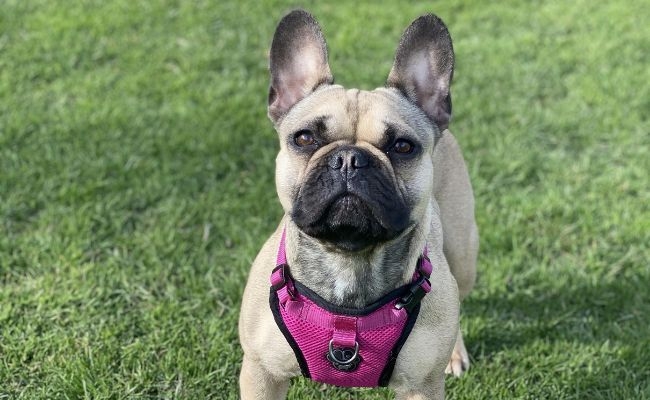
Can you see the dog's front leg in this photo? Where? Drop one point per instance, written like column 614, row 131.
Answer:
column 256, row 383
column 433, row 389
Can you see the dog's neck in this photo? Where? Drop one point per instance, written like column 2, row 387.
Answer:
column 353, row 280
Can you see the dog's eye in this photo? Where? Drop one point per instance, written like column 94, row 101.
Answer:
column 304, row 138
column 403, row 146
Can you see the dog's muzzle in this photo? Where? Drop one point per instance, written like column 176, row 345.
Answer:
column 350, row 201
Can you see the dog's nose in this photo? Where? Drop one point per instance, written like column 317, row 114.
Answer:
column 348, row 160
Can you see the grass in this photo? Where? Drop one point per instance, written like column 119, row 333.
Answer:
column 136, row 186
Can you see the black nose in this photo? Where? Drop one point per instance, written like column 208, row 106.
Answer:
column 348, row 159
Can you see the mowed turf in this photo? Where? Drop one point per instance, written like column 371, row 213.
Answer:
column 137, row 185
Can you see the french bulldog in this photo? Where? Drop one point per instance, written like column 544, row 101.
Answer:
column 367, row 180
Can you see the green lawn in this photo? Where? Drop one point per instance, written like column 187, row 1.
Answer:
column 136, row 186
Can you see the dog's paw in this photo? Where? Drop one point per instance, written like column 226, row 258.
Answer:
column 459, row 362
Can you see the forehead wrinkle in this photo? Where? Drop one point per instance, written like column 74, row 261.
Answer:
column 353, row 110
column 374, row 112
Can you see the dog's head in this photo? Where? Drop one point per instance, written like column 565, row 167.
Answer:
column 355, row 168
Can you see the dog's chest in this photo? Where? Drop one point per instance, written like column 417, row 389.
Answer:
column 349, row 282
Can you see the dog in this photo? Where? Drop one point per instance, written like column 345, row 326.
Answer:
column 378, row 219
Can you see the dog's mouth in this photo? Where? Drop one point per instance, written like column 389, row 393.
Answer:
column 350, row 222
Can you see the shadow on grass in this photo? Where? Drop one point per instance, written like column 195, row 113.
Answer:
column 585, row 313
column 581, row 338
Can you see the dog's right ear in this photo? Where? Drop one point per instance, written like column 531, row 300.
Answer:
column 298, row 62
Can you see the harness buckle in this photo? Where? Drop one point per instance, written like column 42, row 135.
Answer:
column 415, row 294
column 345, row 358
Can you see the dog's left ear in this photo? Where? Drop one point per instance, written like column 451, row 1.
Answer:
column 424, row 66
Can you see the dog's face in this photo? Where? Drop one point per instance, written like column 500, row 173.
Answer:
column 355, row 168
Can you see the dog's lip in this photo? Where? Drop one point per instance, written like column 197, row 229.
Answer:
column 345, row 200
column 345, row 196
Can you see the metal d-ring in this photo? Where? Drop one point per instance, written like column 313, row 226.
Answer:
column 343, row 362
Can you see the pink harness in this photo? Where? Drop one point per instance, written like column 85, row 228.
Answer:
column 343, row 346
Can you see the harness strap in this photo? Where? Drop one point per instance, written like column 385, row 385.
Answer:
column 282, row 249
column 304, row 311
column 282, row 283
column 345, row 331
column 425, row 266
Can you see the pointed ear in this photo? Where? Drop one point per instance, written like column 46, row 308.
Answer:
column 298, row 62
column 424, row 66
